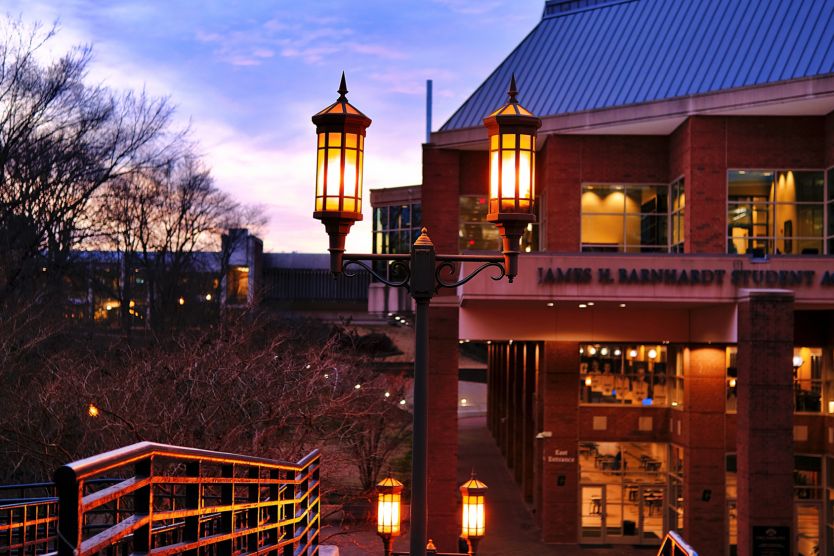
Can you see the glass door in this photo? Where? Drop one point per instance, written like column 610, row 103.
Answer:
column 592, row 513
column 651, row 513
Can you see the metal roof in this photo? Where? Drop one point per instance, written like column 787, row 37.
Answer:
column 593, row 54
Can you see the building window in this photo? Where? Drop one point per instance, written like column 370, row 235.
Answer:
column 830, row 212
column 675, row 505
column 476, row 234
column 677, row 212
column 775, row 212
column 807, row 379
column 648, row 375
column 395, row 229
column 625, row 218
column 809, row 376
column 623, row 491
column 237, row 292
column 731, row 490
column 732, row 379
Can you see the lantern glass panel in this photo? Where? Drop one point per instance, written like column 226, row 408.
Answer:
column 473, row 516
column 493, row 173
column 388, row 514
column 350, row 175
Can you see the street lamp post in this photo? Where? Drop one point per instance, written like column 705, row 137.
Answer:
column 512, row 142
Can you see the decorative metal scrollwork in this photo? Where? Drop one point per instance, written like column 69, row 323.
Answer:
column 449, row 266
column 402, row 265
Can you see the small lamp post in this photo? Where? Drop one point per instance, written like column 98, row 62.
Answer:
column 341, row 140
column 388, row 513
column 474, row 512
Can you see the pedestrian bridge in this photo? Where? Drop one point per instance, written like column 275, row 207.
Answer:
column 158, row 499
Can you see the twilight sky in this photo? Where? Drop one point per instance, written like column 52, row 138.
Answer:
column 249, row 74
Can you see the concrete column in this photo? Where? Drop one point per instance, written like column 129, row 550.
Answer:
column 704, row 404
column 764, row 434
column 557, row 480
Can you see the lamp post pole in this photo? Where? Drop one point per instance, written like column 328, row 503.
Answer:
column 424, row 273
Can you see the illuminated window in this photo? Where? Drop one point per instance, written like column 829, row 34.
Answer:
column 625, row 218
column 775, row 212
column 395, row 229
column 644, row 375
column 476, row 234
column 830, row 232
column 677, row 206
column 807, row 379
column 238, row 286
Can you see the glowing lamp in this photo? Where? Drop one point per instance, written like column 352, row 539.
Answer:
column 389, row 499
column 652, row 353
column 474, row 510
column 341, row 143
column 589, row 381
column 512, row 173
column 797, row 361
column 92, row 410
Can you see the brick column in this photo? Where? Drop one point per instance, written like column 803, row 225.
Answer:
column 560, row 176
column 531, row 362
column 705, row 175
column 705, row 502
column 558, row 398
column 440, row 191
column 443, row 521
column 764, row 435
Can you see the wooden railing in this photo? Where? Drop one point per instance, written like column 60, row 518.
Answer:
column 171, row 499
column 674, row 545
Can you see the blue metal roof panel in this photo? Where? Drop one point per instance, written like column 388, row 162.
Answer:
column 593, row 54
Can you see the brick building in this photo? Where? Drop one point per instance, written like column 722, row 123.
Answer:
column 664, row 358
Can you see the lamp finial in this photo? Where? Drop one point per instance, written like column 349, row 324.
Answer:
column 513, row 90
column 343, row 90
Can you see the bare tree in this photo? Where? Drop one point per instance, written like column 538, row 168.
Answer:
column 251, row 385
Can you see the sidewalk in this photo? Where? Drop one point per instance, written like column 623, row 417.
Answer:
column 511, row 528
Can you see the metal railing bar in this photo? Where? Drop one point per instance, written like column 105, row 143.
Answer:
column 214, row 539
column 24, row 502
column 112, row 534
column 105, row 495
column 28, row 523
column 102, row 463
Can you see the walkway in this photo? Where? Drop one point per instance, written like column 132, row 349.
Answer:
column 511, row 528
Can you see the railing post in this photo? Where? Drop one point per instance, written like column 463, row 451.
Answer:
column 193, row 497
column 317, row 505
column 289, row 513
column 69, row 511
column 253, row 518
column 143, row 505
column 304, row 510
column 274, row 511
column 227, row 498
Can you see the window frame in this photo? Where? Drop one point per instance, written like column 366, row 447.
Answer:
column 622, row 248
column 773, row 237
